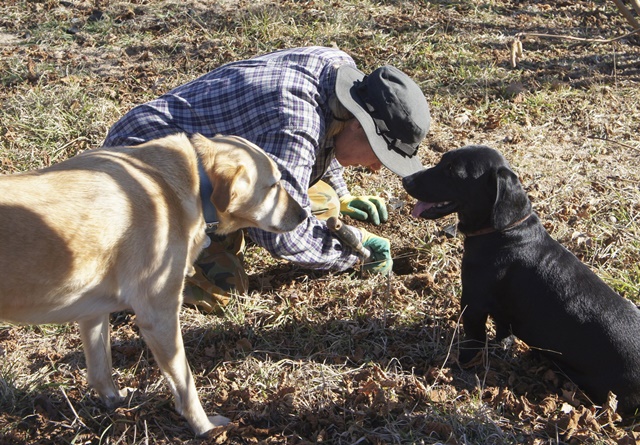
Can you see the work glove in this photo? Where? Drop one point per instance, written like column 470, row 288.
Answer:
column 363, row 208
column 380, row 260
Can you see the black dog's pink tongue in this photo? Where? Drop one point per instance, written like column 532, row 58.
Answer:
column 421, row 207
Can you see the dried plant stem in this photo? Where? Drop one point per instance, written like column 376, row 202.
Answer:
column 627, row 14
column 516, row 45
column 73, row 410
column 616, row 142
column 522, row 35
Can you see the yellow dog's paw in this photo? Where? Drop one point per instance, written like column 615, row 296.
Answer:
column 219, row 420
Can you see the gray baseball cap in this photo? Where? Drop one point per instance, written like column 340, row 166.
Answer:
column 393, row 111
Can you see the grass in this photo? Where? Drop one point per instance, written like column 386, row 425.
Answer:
column 308, row 357
column 37, row 116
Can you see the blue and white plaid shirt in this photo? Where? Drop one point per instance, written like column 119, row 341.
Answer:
column 278, row 101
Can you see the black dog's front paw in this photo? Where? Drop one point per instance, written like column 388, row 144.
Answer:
column 469, row 350
column 466, row 356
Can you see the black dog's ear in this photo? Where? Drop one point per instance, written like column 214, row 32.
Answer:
column 512, row 203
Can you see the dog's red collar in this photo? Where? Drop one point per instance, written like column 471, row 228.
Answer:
column 489, row 230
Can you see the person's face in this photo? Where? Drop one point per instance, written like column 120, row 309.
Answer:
column 352, row 147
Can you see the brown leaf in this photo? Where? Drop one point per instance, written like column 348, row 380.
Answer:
column 244, row 345
column 493, row 121
column 573, row 420
column 223, row 437
column 588, row 420
column 489, row 394
column 631, row 438
column 515, row 92
column 437, row 374
column 548, row 405
column 438, row 395
column 442, row 430
column 527, row 408
column 608, row 414
column 388, row 383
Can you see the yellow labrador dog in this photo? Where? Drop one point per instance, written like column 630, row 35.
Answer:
column 118, row 228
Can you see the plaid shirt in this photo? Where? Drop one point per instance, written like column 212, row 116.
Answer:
column 278, row 101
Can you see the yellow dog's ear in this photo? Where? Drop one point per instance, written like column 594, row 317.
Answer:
column 228, row 186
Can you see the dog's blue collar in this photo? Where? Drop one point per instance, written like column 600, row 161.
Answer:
column 208, row 209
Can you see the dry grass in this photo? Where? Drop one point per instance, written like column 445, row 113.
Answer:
column 336, row 358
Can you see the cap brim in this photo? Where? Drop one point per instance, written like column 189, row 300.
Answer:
column 347, row 77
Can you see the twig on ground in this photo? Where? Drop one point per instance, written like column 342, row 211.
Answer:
column 446, row 359
column 622, row 144
column 627, row 14
column 72, row 408
column 516, row 45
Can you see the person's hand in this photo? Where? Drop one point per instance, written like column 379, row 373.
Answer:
column 363, row 208
column 380, row 248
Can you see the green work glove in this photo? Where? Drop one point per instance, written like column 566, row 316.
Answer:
column 372, row 208
column 380, row 248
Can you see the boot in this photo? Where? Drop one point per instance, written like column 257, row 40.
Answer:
column 219, row 271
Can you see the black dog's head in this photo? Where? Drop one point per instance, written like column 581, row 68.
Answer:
column 474, row 181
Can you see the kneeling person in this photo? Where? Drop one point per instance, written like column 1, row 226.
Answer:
column 314, row 113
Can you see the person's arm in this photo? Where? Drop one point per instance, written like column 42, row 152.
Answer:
column 311, row 244
column 334, row 178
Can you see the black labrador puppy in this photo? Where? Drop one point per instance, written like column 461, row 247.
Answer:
column 531, row 286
